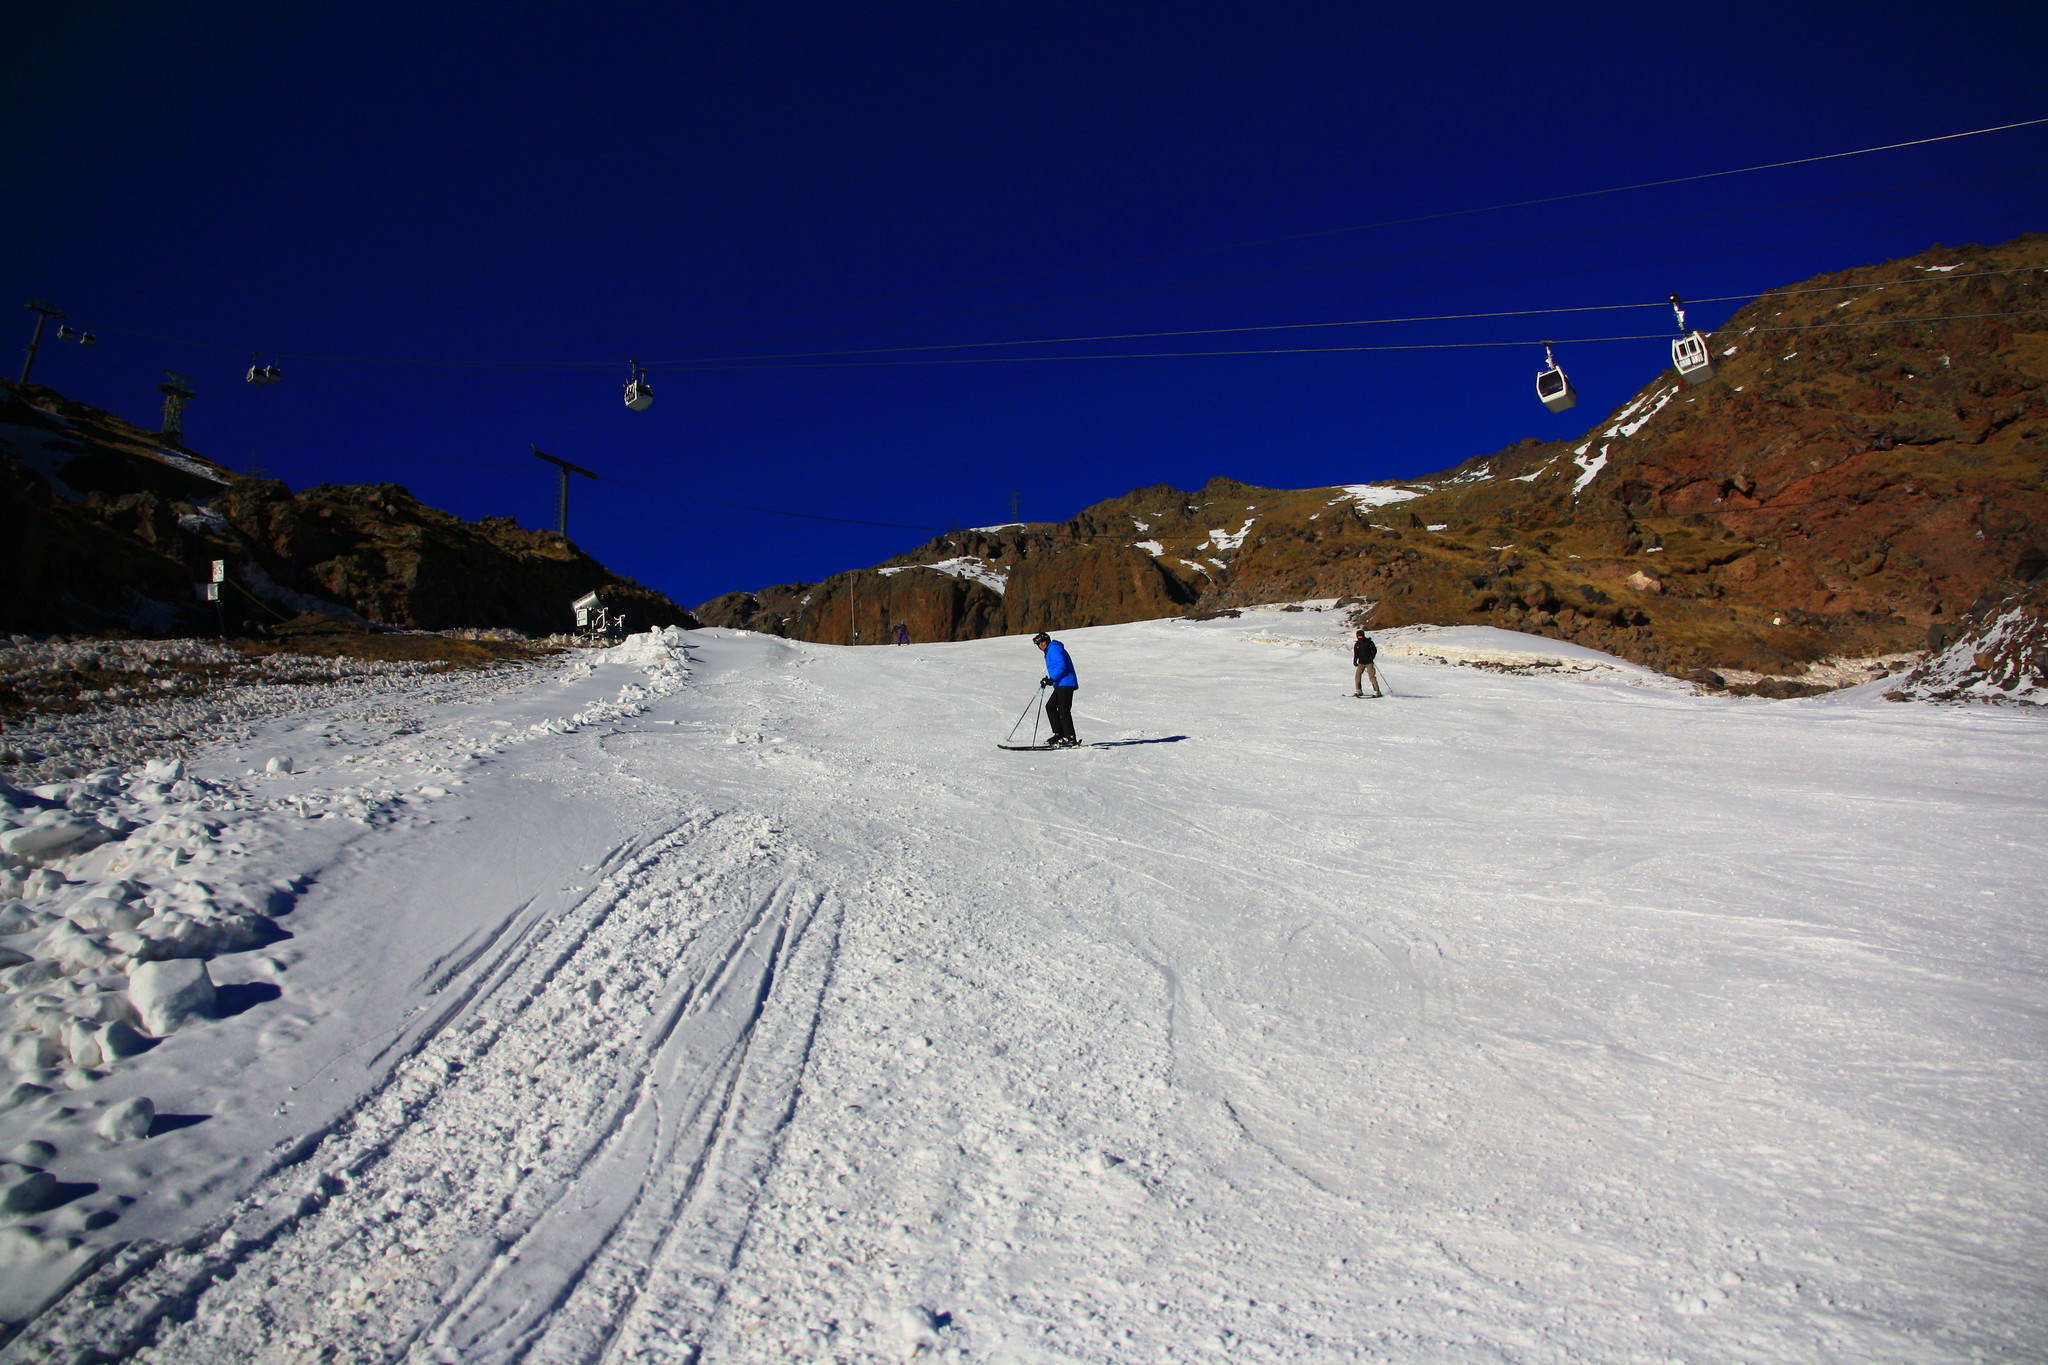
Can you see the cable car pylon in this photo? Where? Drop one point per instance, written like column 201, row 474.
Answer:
column 1553, row 386
column 1689, row 352
column 562, row 497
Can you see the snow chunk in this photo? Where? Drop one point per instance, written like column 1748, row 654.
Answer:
column 54, row 839
column 171, row 995
column 1150, row 547
column 1939, row 269
column 128, row 1121
column 26, row 1191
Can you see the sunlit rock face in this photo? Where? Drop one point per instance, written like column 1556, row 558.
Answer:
column 1853, row 477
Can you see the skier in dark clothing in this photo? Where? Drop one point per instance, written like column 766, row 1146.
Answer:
column 1059, row 676
column 1363, row 652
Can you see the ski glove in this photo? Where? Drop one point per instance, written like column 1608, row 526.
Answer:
column 1045, row 682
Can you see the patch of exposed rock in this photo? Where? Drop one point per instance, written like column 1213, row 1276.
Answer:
column 2000, row 656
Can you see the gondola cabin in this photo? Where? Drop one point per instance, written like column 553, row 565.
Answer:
column 1554, row 387
column 1689, row 354
column 639, row 397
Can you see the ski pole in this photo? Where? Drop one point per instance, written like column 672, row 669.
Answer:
column 1020, row 720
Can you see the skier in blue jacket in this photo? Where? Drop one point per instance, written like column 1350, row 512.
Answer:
column 1059, row 676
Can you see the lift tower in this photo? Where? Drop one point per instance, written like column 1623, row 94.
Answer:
column 44, row 312
column 562, row 498
column 177, row 392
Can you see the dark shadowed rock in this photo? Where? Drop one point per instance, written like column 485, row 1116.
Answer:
column 102, row 526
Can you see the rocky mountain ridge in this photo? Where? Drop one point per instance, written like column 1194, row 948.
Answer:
column 105, row 526
column 1867, row 465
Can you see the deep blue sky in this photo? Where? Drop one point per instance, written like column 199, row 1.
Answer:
column 559, row 187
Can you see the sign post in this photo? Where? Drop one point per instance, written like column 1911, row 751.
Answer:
column 220, row 576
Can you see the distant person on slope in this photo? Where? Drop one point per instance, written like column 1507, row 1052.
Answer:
column 902, row 633
column 1059, row 676
column 1363, row 652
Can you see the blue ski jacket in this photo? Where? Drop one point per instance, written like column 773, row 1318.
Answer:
column 1059, row 667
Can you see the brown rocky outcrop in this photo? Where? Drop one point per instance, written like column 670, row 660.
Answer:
column 1870, row 456
column 103, row 527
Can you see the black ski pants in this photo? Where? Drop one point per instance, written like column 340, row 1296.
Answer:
column 1059, row 709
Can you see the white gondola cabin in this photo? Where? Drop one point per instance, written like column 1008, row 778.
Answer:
column 1553, row 385
column 1689, row 353
column 639, row 395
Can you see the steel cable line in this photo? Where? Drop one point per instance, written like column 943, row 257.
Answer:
column 912, row 526
column 1379, row 322
column 1361, row 227
column 1547, row 275
column 1442, row 253
column 1433, row 255
column 1317, row 350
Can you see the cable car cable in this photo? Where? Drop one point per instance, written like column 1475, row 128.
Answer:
column 1361, row 227
column 357, row 384
column 1319, row 350
column 1374, row 322
column 1444, row 253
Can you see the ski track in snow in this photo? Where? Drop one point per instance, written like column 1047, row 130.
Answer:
column 1531, row 1019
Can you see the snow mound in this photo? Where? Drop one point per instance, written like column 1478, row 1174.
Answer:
column 651, row 649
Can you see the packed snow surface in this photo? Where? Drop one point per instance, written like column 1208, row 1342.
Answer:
column 727, row 998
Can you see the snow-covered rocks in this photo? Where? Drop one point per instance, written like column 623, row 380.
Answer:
column 23, row 1190
column 171, row 994
column 128, row 1121
column 57, row 837
column 119, row 1040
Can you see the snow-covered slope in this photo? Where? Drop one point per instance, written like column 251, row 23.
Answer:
column 752, row 1004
